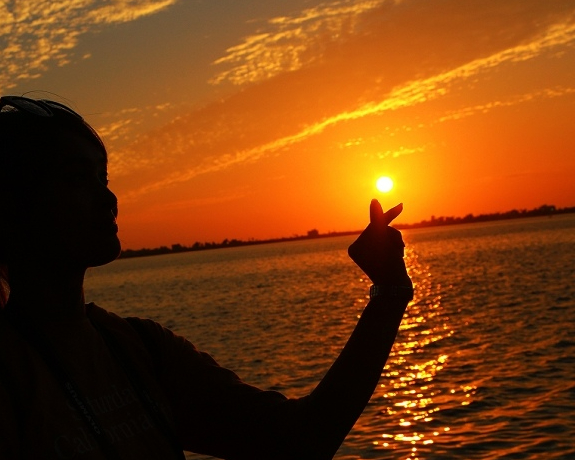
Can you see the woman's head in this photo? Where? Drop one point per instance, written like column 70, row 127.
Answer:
column 54, row 199
column 30, row 131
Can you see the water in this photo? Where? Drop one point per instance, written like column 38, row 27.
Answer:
column 484, row 364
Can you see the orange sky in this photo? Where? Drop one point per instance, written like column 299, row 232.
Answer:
column 265, row 119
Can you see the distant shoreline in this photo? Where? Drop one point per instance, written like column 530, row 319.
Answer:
column 542, row 211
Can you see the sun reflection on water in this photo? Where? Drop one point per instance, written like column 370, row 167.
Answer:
column 408, row 396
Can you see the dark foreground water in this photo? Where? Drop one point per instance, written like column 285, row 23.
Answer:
column 484, row 364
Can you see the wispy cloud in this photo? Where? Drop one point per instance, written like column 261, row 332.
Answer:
column 409, row 94
column 287, row 43
column 547, row 93
column 36, row 34
column 119, row 124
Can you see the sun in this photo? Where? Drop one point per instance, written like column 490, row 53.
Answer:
column 384, row 184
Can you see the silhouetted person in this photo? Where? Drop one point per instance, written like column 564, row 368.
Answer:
column 79, row 382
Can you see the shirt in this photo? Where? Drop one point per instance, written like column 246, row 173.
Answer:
column 208, row 408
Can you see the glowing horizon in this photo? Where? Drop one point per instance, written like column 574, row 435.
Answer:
column 266, row 120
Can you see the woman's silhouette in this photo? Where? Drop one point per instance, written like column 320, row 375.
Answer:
column 79, row 382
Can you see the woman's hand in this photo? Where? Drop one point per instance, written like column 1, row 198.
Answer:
column 378, row 251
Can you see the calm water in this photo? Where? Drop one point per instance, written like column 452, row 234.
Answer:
column 484, row 364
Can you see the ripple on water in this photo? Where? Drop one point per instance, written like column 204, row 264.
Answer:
column 483, row 364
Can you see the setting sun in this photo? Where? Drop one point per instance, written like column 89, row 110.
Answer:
column 268, row 108
column 384, row 184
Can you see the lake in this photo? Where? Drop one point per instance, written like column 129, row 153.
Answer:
column 484, row 363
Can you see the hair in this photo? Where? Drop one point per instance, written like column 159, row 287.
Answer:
column 27, row 142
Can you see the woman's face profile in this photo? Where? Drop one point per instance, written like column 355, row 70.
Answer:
column 68, row 214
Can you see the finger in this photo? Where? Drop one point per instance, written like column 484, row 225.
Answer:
column 392, row 214
column 376, row 215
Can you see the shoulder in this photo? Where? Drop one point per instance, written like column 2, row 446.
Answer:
column 124, row 325
column 162, row 344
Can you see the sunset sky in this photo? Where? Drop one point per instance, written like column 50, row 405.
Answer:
column 260, row 119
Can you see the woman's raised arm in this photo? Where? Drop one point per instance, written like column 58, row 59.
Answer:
column 339, row 399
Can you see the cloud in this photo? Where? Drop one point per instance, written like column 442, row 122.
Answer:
column 397, row 57
column 546, row 93
column 288, row 43
column 35, row 34
column 114, row 126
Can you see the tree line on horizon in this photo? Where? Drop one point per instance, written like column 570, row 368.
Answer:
column 544, row 210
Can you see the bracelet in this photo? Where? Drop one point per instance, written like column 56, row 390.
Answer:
column 394, row 292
